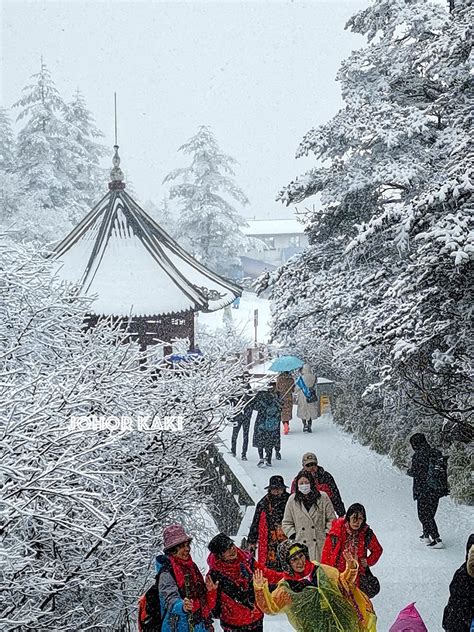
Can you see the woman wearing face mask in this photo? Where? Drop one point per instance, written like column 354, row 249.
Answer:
column 308, row 515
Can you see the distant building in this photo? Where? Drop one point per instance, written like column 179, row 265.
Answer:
column 283, row 238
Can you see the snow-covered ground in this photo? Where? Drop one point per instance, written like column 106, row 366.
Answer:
column 243, row 317
column 408, row 570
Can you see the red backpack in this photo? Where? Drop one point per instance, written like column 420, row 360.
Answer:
column 149, row 610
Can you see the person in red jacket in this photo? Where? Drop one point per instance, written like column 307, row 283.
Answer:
column 232, row 570
column 351, row 533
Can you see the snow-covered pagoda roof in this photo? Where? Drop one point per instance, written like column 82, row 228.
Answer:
column 119, row 254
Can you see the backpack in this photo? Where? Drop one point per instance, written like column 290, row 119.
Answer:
column 149, row 610
column 437, row 476
column 311, row 397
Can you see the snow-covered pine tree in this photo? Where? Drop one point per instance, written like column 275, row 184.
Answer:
column 162, row 215
column 43, row 162
column 11, row 194
column 209, row 222
column 361, row 284
column 86, row 152
column 7, row 141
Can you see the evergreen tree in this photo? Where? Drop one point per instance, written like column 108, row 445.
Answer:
column 210, row 223
column 85, row 151
column 162, row 215
column 10, row 189
column 42, row 143
column 7, row 142
column 385, row 280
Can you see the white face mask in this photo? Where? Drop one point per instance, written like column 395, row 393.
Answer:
column 304, row 488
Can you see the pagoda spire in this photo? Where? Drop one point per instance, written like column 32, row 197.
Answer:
column 116, row 174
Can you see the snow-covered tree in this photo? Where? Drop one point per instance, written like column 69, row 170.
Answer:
column 7, row 141
column 57, row 160
column 86, row 151
column 209, row 222
column 163, row 215
column 380, row 297
column 84, row 509
column 11, row 193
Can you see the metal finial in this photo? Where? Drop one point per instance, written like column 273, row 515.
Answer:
column 115, row 109
column 116, row 174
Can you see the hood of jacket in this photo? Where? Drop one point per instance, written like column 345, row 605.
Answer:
column 307, row 370
column 470, row 542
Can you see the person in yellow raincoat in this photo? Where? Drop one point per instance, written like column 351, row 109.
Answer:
column 316, row 597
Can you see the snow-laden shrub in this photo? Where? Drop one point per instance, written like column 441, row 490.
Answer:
column 84, row 509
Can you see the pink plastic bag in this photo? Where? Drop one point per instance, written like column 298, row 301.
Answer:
column 409, row 620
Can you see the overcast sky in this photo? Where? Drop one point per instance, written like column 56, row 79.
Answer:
column 259, row 73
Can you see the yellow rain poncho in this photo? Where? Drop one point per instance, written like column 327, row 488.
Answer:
column 324, row 601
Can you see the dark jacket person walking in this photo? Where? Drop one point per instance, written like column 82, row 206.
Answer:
column 426, row 498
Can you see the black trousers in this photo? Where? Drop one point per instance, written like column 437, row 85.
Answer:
column 427, row 506
column 235, row 433
column 268, row 453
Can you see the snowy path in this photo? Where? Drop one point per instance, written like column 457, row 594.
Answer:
column 407, row 570
column 243, row 317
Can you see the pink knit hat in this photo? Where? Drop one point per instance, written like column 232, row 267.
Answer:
column 174, row 535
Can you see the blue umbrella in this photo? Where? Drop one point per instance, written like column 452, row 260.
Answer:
column 286, row 363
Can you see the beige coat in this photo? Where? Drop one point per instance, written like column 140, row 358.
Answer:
column 305, row 410
column 309, row 528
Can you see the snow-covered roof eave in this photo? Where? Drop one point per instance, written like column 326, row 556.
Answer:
column 175, row 281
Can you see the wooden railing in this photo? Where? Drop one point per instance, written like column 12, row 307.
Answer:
column 229, row 497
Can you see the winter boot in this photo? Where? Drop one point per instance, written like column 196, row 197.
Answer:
column 261, row 463
column 305, row 427
column 268, row 463
column 309, row 424
column 243, row 457
column 278, row 455
column 425, row 539
column 286, row 428
column 436, row 544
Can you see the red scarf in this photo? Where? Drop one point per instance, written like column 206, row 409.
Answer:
column 183, row 569
column 238, row 570
column 308, row 567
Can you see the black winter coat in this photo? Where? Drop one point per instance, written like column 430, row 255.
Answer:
column 459, row 612
column 419, row 470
